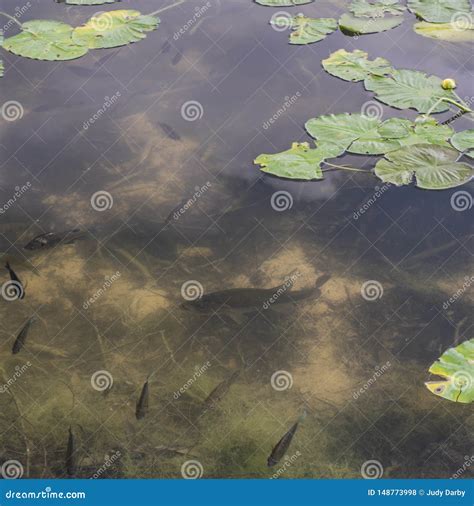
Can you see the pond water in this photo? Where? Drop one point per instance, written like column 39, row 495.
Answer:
column 113, row 144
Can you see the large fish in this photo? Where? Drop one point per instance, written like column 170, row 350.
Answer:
column 248, row 298
column 282, row 446
column 19, row 285
column 21, row 338
column 142, row 403
column 51, row 239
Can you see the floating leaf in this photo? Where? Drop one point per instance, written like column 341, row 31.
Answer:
column 114, row 28
column 306, row 30
column 44, row 39
column 362, row 8
column 452, row 32
column 409, row 89
column 457, row 365
column 298, row 162
column 464, row 141
column 355, row 66
column 89, row 2
column 439, row 11
column 341, row 129
column 352, row 25
column 283, row 3
column 434, row 167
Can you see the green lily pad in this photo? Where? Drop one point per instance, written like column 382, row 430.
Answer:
column 114, row 28
column 464, row 142
column 457, row 365
column 355, row 66
column 409, row 89
column 283, row 3
column 439, row 11
column 298, row 162
column 452, row 32
column 44, row 39
column 306, row 30
column 362, row 8
column 434, row 167
column 89, row 2
column 352, row 25
column 341, row 129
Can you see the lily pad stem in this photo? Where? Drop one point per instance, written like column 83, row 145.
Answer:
column 12, row 18
column 158, row 11
column 343, row 167
column 463, row 107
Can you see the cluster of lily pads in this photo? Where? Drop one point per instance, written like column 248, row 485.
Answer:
column 423, row 148
column 441, row 19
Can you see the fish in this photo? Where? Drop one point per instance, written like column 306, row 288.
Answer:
column 170, row 132
column 142, row 404
column 70, row 461
column 50, row 239
column 176, row 58
column 219, row 391
column 16, row 280
column 282, row 446
column 21, row 338
column 248, row 298
column 171, row 215
column 165, row 47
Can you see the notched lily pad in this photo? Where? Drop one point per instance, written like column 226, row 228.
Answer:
column 464, row 142
column 409, row 89
column 458, row 31
column 457, row 366
column 44, row 39
column 114, row 28
column 439, row 11
column 306, row 30
column 433, row 167
column 362, row 8
column 352, row 25
column 355, row 66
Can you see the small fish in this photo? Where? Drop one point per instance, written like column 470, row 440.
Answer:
column 142, row 404
column 248, row 298
column 50, row 239
column 70, row 461
column 219, row 391
column 170, row 132
column 16, row 279
column 176, row 58
column 282, row 446
column 21, row 338
column 174, row 211
column 165, row 47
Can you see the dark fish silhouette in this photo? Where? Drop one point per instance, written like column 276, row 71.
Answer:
column 21, row 338
column 247, row 298
column 165, row 47
column 70, row 460
column 176, row 58
column 171, row 215
column 16, row 279
column 170, row 132
column 142, row 404
column 219, row 391
column 282, row 446
column 50, row 239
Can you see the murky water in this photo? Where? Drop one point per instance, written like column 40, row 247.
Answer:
column 109, row 305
